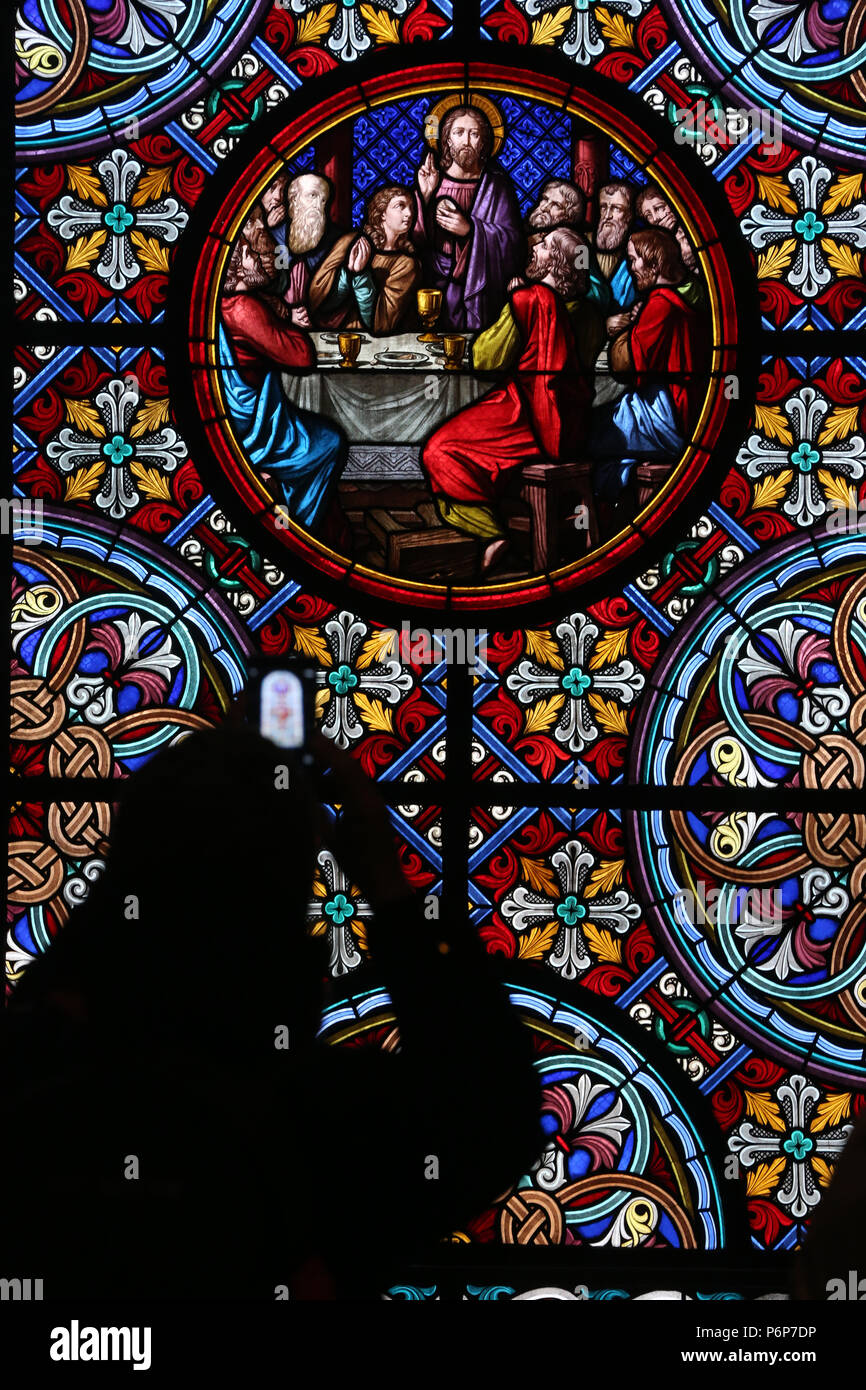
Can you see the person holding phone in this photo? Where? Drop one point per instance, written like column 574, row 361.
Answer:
column 146, row 1031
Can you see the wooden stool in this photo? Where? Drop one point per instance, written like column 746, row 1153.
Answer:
column 547, row 488
column 651, row 477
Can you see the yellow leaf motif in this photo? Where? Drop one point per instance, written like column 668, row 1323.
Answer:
column 378, row 648
column 823, row 1169
column 832, row 1111
column 610, row 647
column 84, row 182
column 841, row 193
column 151, row 416
column 611, row 718
column 374, row 714
column 151, row 482
column 380, row 24
column 359, row 931
column 321, row 700
column 543, row 715
column 771, row 489
column 837, row 489
column 773, row 263
column 775, row 191
column 541, row 645
column 315, row 25
column 83, row 483
column 771, row 421
column 604, row 877
column 319, row 889
column 84, row 250
column 602, row 943
column 152, row 255
column 311, row 642
column 841, row 258
column 761, row 1106
column 549, row 28
column 539, row 876
column 613, row 26
column 761, row 1180
column 152, row 186
column 840, row 422
column 534, row 943
column 85, row 417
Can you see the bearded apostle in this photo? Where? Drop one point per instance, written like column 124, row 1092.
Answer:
column 467, row 222
column 662, row 350
column 615, row 220
column 296, row 211
column 368, row 281
column 541, row 411
column 256, row 341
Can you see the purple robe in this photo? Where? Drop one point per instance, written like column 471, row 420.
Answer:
column 491, row 254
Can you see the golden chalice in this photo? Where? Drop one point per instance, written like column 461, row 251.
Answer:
column 350, row 346
column 429, row 309
column 455, row 346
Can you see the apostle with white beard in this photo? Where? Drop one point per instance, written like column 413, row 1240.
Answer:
column 297, row 218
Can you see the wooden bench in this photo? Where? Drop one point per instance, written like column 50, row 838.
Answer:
column 553, row 492
column 651, row 478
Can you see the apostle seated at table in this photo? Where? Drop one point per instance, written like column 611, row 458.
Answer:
column 369, row 280
column 468, row 224
column 652, row 205
column 615, row 221
column 256, row 342
column 661, row 348
column 296, row 211
column 539, row 413
column 563, row 204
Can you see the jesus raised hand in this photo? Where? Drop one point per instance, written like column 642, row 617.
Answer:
column 428, row 177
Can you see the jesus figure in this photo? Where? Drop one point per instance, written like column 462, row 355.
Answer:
column 468, row 222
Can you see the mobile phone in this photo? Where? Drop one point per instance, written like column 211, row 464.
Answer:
column 281, row 702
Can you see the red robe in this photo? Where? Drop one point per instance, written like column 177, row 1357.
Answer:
column 261, row 340
column 540, row 413
column 669, row 348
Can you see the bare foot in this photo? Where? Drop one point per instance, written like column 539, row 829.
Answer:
column 495, row 550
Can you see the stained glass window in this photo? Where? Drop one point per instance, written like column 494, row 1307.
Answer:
column 346, row 331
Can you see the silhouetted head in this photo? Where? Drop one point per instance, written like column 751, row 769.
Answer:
column 196, row 929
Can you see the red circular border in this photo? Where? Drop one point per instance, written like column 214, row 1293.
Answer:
column 355, row 99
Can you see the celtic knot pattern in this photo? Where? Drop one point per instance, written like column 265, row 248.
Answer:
column 783, row 708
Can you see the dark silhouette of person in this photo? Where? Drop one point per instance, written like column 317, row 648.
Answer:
column 172, row 1150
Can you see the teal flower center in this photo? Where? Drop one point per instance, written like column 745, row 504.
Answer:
column 571, row 911
column 576, row 682
column 119, row 218
column 117, row 449
column 805, row 457
column 343, row 679
column 339, row 909
column 809, row 226
column 798, row 1145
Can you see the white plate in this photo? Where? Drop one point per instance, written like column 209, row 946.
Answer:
column 335, row 337
column 401, row 359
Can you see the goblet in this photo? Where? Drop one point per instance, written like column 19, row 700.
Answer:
column 350, row 346
column 429, row 309
column 455, row 346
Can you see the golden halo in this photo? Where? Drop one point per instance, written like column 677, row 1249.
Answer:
column 436, row 115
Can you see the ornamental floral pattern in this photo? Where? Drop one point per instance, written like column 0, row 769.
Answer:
column 118, row 437
column 806, row 456
column 791, row 1143
column 118, row 216
column 812, row 233
column 338, row 910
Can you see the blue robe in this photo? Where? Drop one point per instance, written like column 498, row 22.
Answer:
column 301, row 449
